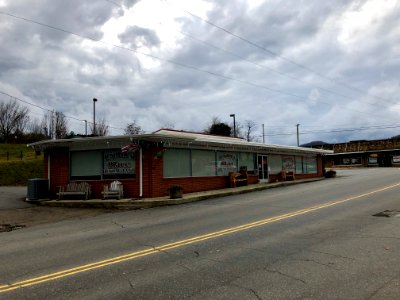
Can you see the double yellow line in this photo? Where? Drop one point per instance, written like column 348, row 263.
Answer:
column 178, row 244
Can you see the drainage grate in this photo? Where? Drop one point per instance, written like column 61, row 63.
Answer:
column 10, row 227
column 388, row 213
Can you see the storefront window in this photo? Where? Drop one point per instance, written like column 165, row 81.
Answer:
column 118, row 164
column 275, row 164
column 246, row 160
column 310, row 165
column 288, row 163
column 203, row 163
column 86, row 164
column 226, row 162
column 299, row 165
column 177, row 163
column 100, row 164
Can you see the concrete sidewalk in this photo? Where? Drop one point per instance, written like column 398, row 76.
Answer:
column 163, row 201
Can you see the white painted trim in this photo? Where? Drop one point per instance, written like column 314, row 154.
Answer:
column 140, row 173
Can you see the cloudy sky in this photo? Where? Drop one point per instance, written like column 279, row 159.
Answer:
column 331, row 66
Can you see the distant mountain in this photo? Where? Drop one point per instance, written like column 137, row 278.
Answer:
column 314, row 144
column 395, row 137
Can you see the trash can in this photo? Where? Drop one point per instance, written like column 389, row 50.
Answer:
column 38, row 189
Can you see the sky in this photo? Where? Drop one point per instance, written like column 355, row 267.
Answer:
column 331, row 66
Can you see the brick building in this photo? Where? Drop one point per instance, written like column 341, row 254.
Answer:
column 366, row 153
column 148, row 164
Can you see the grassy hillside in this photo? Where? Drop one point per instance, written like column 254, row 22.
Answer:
column 18, row 152
column 19, row 163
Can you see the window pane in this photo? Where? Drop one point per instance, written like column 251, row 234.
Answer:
column 246, row 160
column 288, row 163
column 299, row 165
column 118, row 164
column 203, row 163
column 275, row 164
column 310, row 164
column 86, row 163
column 176, row 163
column 226, row 162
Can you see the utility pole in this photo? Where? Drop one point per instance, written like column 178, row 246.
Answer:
column 298, row 140
column 263, row 134
column 94, row 116
column 234, row 124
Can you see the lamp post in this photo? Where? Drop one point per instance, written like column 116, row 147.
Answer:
column 234, row 124
column 94, row 116
column 298, row 140
column 85, row 126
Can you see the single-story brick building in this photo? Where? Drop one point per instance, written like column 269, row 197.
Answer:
column 148, row 164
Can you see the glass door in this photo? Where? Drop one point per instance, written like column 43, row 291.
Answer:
column 262, row 163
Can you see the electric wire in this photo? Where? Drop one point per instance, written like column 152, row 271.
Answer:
column 245, row 82
column 302, row 66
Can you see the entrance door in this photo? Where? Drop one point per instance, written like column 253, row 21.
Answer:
column 262, row 163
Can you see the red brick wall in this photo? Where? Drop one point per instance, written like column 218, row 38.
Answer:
column 59, row 168
column 154, row 185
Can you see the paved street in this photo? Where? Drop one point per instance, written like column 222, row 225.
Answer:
column 317, row 240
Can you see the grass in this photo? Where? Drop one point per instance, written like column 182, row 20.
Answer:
column 17, row 152
column 19, row 163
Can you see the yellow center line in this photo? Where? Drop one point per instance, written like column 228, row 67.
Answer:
column 178, row 244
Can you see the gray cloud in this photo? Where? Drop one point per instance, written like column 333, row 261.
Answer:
column 64, row 72
column 136, row 37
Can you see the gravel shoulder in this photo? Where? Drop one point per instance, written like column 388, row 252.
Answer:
column 16, row 213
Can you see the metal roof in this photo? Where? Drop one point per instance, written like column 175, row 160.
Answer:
column 181, row 139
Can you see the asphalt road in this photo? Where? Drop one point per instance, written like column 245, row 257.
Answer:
column 317, row 240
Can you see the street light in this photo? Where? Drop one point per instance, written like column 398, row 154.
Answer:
column 234, row 124
column 94, row 116
column 85, row 126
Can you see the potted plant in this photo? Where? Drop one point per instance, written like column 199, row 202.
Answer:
column 175, row 191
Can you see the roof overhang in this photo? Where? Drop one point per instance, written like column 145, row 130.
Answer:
column 175, row 139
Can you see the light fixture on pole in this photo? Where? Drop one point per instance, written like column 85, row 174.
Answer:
column 234, row 124
column 94, row 116
column 85, row 126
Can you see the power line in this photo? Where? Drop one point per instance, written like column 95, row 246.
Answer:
column 302, row 66
column 52, row 110
column 210, row 45
column 170, row 61
column 335, row 130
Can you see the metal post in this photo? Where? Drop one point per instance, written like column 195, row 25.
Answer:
column 94, row 116
column 234, row 124
column 263, row 134
column 298, row 140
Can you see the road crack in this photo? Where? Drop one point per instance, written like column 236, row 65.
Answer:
column 334, row 255
column 329, row 265
column 285, row 275
column 254, row 292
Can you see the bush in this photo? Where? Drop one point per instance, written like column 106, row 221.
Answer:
column 175, row 191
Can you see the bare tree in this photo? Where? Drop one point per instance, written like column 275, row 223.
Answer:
column 60, row 125
column 102, row 129
column 34, row 127
column 133, row 128
column 47, row 125
column 13, row 119
column 250, row 126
